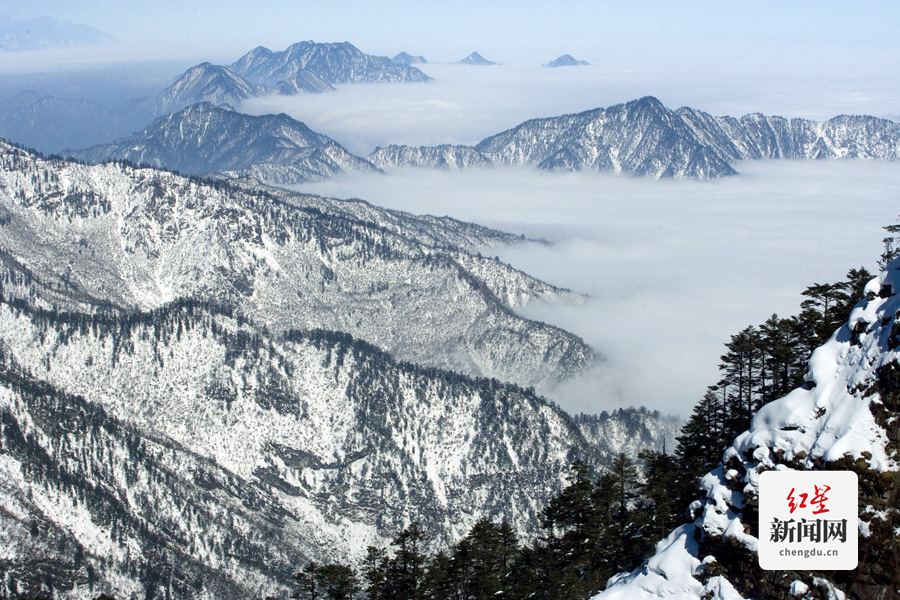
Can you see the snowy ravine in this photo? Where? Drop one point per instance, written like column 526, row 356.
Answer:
column 844, row 418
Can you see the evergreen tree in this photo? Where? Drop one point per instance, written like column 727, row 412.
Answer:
column 308, row 582
column 337, row 582
column 374, row 569
column 663, row 505
column 404, row 574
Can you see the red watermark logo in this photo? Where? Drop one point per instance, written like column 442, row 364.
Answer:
column 808, row 520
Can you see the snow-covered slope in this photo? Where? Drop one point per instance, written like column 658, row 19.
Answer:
column 629, row 431
column 203, row 83
column 139, row 238
column 846, row 417
column 204, row 138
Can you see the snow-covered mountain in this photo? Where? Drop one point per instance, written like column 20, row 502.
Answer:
column 186, row 449
column 476, row 59
column 567, row 60
column 44, row 32
column 138, row 238
column 408, row 59
column 847, row 417
column 205, row 82
column 180, row 414
column 643, row 137
column 204, row 138
column 444, row 156
column 333, row 62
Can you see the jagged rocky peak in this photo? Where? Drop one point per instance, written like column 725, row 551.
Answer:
column 407, row 59
column 203, row 138
column 847, row 417
column 567, row 60
column 333, row 62
column 476, row 59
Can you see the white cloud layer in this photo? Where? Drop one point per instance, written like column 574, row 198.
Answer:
column 673, row 267
column 465, row 104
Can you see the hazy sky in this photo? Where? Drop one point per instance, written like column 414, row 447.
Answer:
column 506, row 30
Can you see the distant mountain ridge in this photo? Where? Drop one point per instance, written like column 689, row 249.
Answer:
column 44, row 32
column 643, row 137
column 333, row 62
column 444, row 156
column 567, row 60
column 407, row 59
column 477, row 60
column 53, row 125
column 203, row 138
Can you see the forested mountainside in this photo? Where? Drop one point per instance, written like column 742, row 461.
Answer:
column 187, row 443
column 603, row 524
column 170, row 424
column 139, row 238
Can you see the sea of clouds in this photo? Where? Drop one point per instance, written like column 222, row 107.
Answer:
column 672, row 268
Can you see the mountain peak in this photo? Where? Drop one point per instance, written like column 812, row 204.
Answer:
column 407, row 59
column 648, row 102
column 476, row 59
column 203, row 138
column 567, row 60
column 334, row 62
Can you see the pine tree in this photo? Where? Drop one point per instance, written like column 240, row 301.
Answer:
column 308, row 583
column 405, row 571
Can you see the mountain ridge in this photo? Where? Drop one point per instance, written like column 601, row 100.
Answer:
column 203, row 138
column 643, row 137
